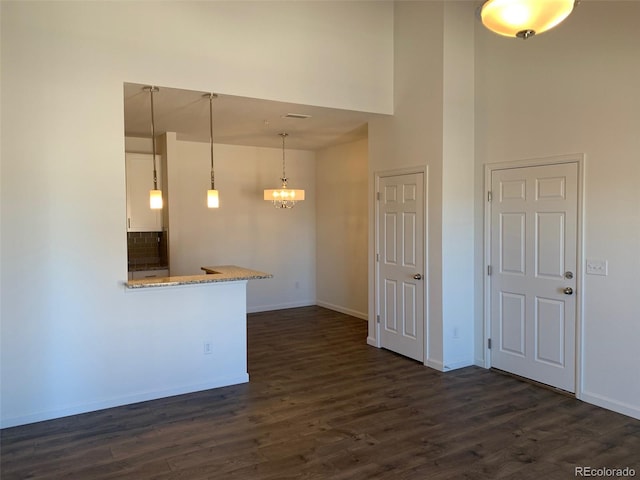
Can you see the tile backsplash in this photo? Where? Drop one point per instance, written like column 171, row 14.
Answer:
column 146, row 250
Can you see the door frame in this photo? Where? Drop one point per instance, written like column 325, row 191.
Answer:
column 489, row 168
column 424, row 170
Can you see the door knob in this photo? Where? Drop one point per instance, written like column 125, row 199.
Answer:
column 568, row 290
column 417, row 276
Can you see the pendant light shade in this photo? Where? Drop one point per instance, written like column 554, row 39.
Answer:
column 524, row 18
column 155, row 199
column 155, row 195
column 284, row 197
column 213, row 199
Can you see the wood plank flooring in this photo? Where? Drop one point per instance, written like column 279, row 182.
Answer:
column 322, row 404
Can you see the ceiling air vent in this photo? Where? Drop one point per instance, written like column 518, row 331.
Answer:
column 296, row 115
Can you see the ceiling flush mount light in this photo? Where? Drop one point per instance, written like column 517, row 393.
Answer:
column 213, row 199
column 524, row 18
column 284, row 197
column 155, row 195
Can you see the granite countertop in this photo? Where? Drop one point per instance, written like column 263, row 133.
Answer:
column 222, row 273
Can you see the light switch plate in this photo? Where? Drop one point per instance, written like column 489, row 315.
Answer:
column 597, row 267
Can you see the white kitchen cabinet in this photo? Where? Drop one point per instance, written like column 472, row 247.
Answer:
column 139, row 170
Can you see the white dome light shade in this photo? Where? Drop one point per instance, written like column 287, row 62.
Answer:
column 524, row 18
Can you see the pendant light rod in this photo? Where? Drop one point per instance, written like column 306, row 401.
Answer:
column 213, row 197
column 152, row 89
column 155, row 195
column 211, row 97
column 284, row 175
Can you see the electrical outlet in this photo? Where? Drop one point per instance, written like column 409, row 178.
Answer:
column 597, row 267
column 208, row 348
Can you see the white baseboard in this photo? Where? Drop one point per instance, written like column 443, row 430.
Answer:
column 307, row 303
column 346, row 311
column 120, row 401
column 479, row 362
column 435, row 364
column 610, row 404
column 457, row 365
column 449, row 366
column 280, row 306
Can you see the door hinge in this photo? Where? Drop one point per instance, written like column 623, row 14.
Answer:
column 377, row 257
column 377, row 195
column 378, row 318
column 489, row 196
column 489, row 270
column 489, row 343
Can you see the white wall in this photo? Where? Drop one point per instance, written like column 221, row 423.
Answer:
column 574, row 89
column 458, row 186
column 341, row 213
column 246, row 230
column 63, row 307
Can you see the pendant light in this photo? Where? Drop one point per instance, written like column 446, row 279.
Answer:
column 213, row 200
column 283, row 197
column 155, row 195
column 524, row 18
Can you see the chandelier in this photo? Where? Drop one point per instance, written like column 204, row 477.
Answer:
column 283, row 197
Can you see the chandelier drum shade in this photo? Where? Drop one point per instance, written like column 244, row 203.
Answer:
column 524, row 18
column 155, row 195
column 284, row 197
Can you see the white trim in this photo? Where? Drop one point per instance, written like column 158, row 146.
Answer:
column 456, row 365
column 435, row 364
column 479, row 362
column 424, row 170
column 535, row 162
column 489, row 168
column 280, row 306
column 610, row 404
column 125, row 400
column 346, row 311
column 486, row 261
column 580, row 281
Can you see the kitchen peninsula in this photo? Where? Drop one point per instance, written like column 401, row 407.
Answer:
column 193, row 329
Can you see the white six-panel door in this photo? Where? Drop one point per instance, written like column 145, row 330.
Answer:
column 533, row 279
column 401, row 260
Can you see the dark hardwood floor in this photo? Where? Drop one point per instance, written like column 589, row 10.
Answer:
column 322, row 404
